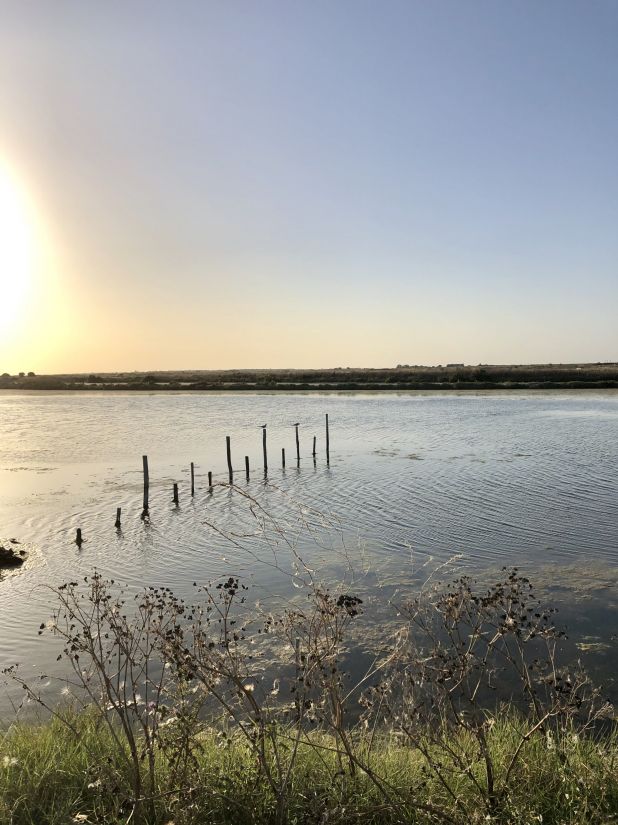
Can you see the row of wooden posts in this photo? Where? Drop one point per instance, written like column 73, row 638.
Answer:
column 228, row 447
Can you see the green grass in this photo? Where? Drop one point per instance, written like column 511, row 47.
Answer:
column 51, row 776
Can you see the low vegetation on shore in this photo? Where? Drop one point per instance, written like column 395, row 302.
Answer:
column 51, row 774
column 218, row 712
column 402, row 377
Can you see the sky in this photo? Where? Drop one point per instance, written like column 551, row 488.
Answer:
column 251, row 183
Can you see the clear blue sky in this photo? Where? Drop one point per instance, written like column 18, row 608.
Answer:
column 314, row 183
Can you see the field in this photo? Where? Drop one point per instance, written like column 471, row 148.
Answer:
column 450, row 377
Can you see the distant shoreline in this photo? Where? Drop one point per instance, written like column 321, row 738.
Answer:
column 404, row 378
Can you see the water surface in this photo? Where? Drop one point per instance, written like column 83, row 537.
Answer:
column 520, row 478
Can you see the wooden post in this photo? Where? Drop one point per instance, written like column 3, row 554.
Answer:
column 327, row 442
column 210, row 481
column 78, row 537
column 117, row 525
column 283, row 457
column 228, row 448
column 192, row 479
column 247, row 467
column 146, row 480
column 264, row 449
column 314, row 439
column 297, row 443
column 175, row 498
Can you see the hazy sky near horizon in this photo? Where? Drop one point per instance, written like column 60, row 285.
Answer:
column 253, row 183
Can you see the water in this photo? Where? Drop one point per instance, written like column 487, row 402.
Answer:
column 520, row 478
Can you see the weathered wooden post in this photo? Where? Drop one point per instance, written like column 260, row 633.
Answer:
column 264, row 449
column 210, row 481
column 247, row 467
column 175, row 498
column 314, row 440
column 297, row 443
column 192, row 479
column 146, row 480
column 283, row 457
column 78, row 537
column 117, row 524
column 228, row 449
column 327, row 442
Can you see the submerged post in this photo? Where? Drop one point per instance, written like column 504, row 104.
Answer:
column 175, row 498
column 117, row 524
column 192, row 479
column 313, row 453
column 210, row 481
column 247, row 467
column 327, row 442
column 228, row 448
column 297, row 443
column 78, row 537
column 146, row 480
column 283, row 457
column 264, row 448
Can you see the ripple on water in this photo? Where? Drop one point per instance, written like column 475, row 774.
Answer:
column 523, row 478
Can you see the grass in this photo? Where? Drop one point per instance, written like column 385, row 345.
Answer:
column 427, row 747
column 50, row 775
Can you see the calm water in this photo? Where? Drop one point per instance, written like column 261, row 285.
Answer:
column 520, row 478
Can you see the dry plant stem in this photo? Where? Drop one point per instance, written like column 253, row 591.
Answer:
column 155, row 659
column 458, row 645
column 112, row 649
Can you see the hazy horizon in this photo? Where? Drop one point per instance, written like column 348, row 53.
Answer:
column 290, row 183
column 318, row 368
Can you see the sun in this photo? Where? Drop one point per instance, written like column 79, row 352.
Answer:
column 16, row 251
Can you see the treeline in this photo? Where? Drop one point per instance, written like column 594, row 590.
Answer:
column 456, row 377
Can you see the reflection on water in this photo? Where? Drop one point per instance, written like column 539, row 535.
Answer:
column 523, row 478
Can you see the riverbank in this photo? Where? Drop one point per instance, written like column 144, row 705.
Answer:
column 452, row 377
column 218, row 712
column 51, row 776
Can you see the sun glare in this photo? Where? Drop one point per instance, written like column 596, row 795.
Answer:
column 16, row 252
